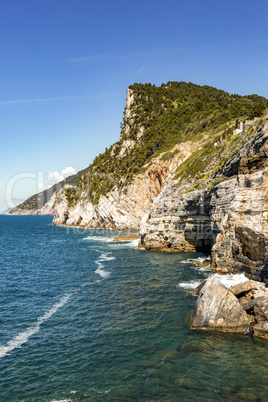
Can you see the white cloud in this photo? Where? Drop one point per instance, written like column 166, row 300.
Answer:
column 55, row 176
column 68, row 171
column 42, row 187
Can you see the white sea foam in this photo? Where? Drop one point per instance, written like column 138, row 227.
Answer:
column 191, row 260
column 100, row 271
column 189, row 285
column 105, row 257
column 227, row 280
column 90, row 283
column 23, row 337
column 231, row 279
column 199, row 259
column 125, row 244
column 99, row 238
column 205, row 268
column 62, row 400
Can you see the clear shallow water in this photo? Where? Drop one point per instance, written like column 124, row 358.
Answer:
column 84, row 318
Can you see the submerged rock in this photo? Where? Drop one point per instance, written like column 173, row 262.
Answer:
column 217, row 308
column 126, row 238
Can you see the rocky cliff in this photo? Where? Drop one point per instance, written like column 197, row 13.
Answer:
column 124, row 208
column 229, row 220
column 189, row 171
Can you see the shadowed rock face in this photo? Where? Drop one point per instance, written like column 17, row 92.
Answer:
column 261, row 330
column 231, row 220
column 217, row 308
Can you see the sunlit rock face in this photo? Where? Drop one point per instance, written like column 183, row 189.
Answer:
column 231, row 220
column 122, row 208
column 241, row 308
column 218, row 309
column 173, row 213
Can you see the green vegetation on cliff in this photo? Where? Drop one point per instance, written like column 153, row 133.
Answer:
column 157, row 119
column 38, row 200
column 167, row 115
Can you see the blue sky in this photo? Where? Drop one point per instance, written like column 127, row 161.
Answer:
column 66, row 65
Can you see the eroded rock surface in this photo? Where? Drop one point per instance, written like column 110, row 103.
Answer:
column 231, row 220
column 260, row 330
column 121, row 209
column 218, row 309
column 236, row 309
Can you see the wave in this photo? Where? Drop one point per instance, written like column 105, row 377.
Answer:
column 100, row 270
column 198, row 259
column 23, row 337
column 190, row 284
column 61, row 400
column 231, row 279
column 105, row 257
column 227, row 280
column 125, row 244
column 99, row 238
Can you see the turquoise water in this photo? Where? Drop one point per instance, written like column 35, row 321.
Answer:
column 85, row 319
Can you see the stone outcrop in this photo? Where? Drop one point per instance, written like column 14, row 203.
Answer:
column 230, row 220
column 122, row 209
column 218, row 309
column 236, row 309
column 126, row 238
column 245, row 287
column 261, row 330
column 119, row 209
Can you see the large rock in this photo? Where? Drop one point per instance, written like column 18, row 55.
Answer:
column 250, row 304
column 261, row 330
column 244, row 287
column 217, row 308
column 261, row 309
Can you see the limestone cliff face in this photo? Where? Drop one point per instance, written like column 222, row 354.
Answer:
column 231, row 220
column 182, row 173
column 125, row 208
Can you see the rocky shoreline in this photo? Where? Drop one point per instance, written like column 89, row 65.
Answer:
column 241, row 308
column 228, row 220
column 206, row 191
column 126, row 238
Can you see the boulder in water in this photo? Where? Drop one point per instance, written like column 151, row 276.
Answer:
column 217, row 308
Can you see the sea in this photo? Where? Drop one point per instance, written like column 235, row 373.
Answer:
column 84, row 318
